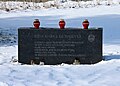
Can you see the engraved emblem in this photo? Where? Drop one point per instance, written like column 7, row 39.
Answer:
column 91, row 38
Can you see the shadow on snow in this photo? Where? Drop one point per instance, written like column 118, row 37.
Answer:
column 111, row 57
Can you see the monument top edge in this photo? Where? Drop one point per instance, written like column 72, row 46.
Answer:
column 71, row 28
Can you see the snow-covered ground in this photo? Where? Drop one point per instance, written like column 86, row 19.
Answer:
column 12, row 6
column 104, row 73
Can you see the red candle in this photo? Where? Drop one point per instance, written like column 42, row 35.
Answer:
column 85, row 24
column 62, row 24
column 36, row 23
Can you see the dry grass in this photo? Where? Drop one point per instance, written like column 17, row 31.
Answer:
column 27, row 0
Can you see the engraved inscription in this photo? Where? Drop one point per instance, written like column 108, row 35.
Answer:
column 55, row 47
column 56, row 36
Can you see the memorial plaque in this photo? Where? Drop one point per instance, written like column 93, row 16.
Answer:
column 55, row 46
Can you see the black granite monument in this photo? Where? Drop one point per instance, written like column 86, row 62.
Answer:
column 55, row 46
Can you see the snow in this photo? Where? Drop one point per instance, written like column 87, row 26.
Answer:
column 104, row 73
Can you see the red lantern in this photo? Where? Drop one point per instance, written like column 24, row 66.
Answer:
column 85, row 24
column 36, row 24
column 62, row 24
